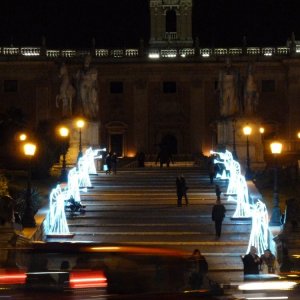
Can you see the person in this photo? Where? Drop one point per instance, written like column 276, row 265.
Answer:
column 217, row 215
column 181, row 190
column 114, row 160
column 164, row 156
column 87, row 89
column 251, row 263
column 269, row 264
column 198, row 267
column 218, row 192
column 108, row 163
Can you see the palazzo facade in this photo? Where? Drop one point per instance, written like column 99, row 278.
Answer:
column 164, row 92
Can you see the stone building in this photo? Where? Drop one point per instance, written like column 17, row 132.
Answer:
column 164, row 92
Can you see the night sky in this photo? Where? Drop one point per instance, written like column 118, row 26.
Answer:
column 122, row 23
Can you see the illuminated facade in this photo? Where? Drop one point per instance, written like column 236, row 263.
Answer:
column 163, row 92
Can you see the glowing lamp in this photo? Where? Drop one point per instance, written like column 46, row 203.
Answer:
column 64, row 131
column 22, row 137
column 29, row 149
column 247, row 130
column 80, row 123
column 276, row 147
column 298, row 135
column 262, row 130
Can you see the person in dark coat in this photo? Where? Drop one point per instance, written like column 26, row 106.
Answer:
column 114, row 160
column 217, row 215
column 164, row 157
column 141, row 159
column 108, row 163
column 251, row 262
column 181, row 190
column 198, row 269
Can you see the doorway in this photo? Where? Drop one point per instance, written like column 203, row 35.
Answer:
column 116, row 144
column 170, row 142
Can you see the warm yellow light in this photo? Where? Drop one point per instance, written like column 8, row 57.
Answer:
column 63, row 131
column 22, row 137
column 298, row 135
column 80, row 123
column 276, row 147
column 261, row 130
column 247, row 130
column 29, row 149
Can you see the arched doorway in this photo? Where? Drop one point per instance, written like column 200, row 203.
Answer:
column 170, row 142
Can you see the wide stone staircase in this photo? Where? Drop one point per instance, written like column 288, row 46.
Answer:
column 138, row 206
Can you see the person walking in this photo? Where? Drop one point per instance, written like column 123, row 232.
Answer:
column 198, row 267
column 218, row 192
column 217, row 215
column 251, row 263
column 181, row 190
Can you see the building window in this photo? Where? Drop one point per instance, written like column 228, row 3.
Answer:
column 169, row 87
column 268, row 86
column 10, row 86
column 116, row 87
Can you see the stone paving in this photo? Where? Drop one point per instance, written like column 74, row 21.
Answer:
column 138, row 206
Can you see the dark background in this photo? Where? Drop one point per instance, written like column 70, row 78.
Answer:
column 122, row 23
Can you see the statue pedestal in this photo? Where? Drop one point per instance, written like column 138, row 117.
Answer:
column 230, row 136
column 90, row 137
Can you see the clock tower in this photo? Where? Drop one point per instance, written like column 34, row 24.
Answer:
column 171, row 23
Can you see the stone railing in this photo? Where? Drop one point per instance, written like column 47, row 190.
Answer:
column 170, row 52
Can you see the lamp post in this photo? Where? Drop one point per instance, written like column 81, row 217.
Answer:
column 234, row 153
column 247, row 131
column 28, row 218
column 64, row 133
column 80, row 124
column 22, row 137
column 276, row 148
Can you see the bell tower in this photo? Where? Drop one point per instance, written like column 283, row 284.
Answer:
column 171, row 23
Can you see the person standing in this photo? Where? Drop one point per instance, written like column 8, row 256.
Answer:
column 251, row 262
column 217, row 215
column 198, row 269
column 181, row 190
column 108, row 163
column 114, row 160
column 211, row 171
column 269, row 264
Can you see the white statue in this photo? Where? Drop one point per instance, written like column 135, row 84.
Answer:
column 66, row 92
column 250, row 94
column 87, row 87
column 229, row 85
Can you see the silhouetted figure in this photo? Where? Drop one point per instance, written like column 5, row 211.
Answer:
column 218, row 192
column 251, row 262
column 198, row 268
column 217, row 215
column 164, row 156
column 108, row 163
column 114, row 160
column 181, row 190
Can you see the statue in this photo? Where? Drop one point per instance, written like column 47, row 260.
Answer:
column 229, row 88
column 66, row 92
column 87, row 90
column 7, row 205
column 251, row 93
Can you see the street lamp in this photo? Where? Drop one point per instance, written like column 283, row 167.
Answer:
column 22, row 137
column 28, row 218
column 247, row 131
column 276, row 148
column 64, row 133
column 80, row 124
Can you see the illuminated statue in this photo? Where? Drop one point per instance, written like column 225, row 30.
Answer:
column 225, row 159
column 235, row 172
column 260, row 228
column 229, row 91
column 83, row 172
column 250, row 94
column 66, row 92
column 243, row 209
column 87, row 89
column 73, row 185
column 56, row 220
column 91, row 155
